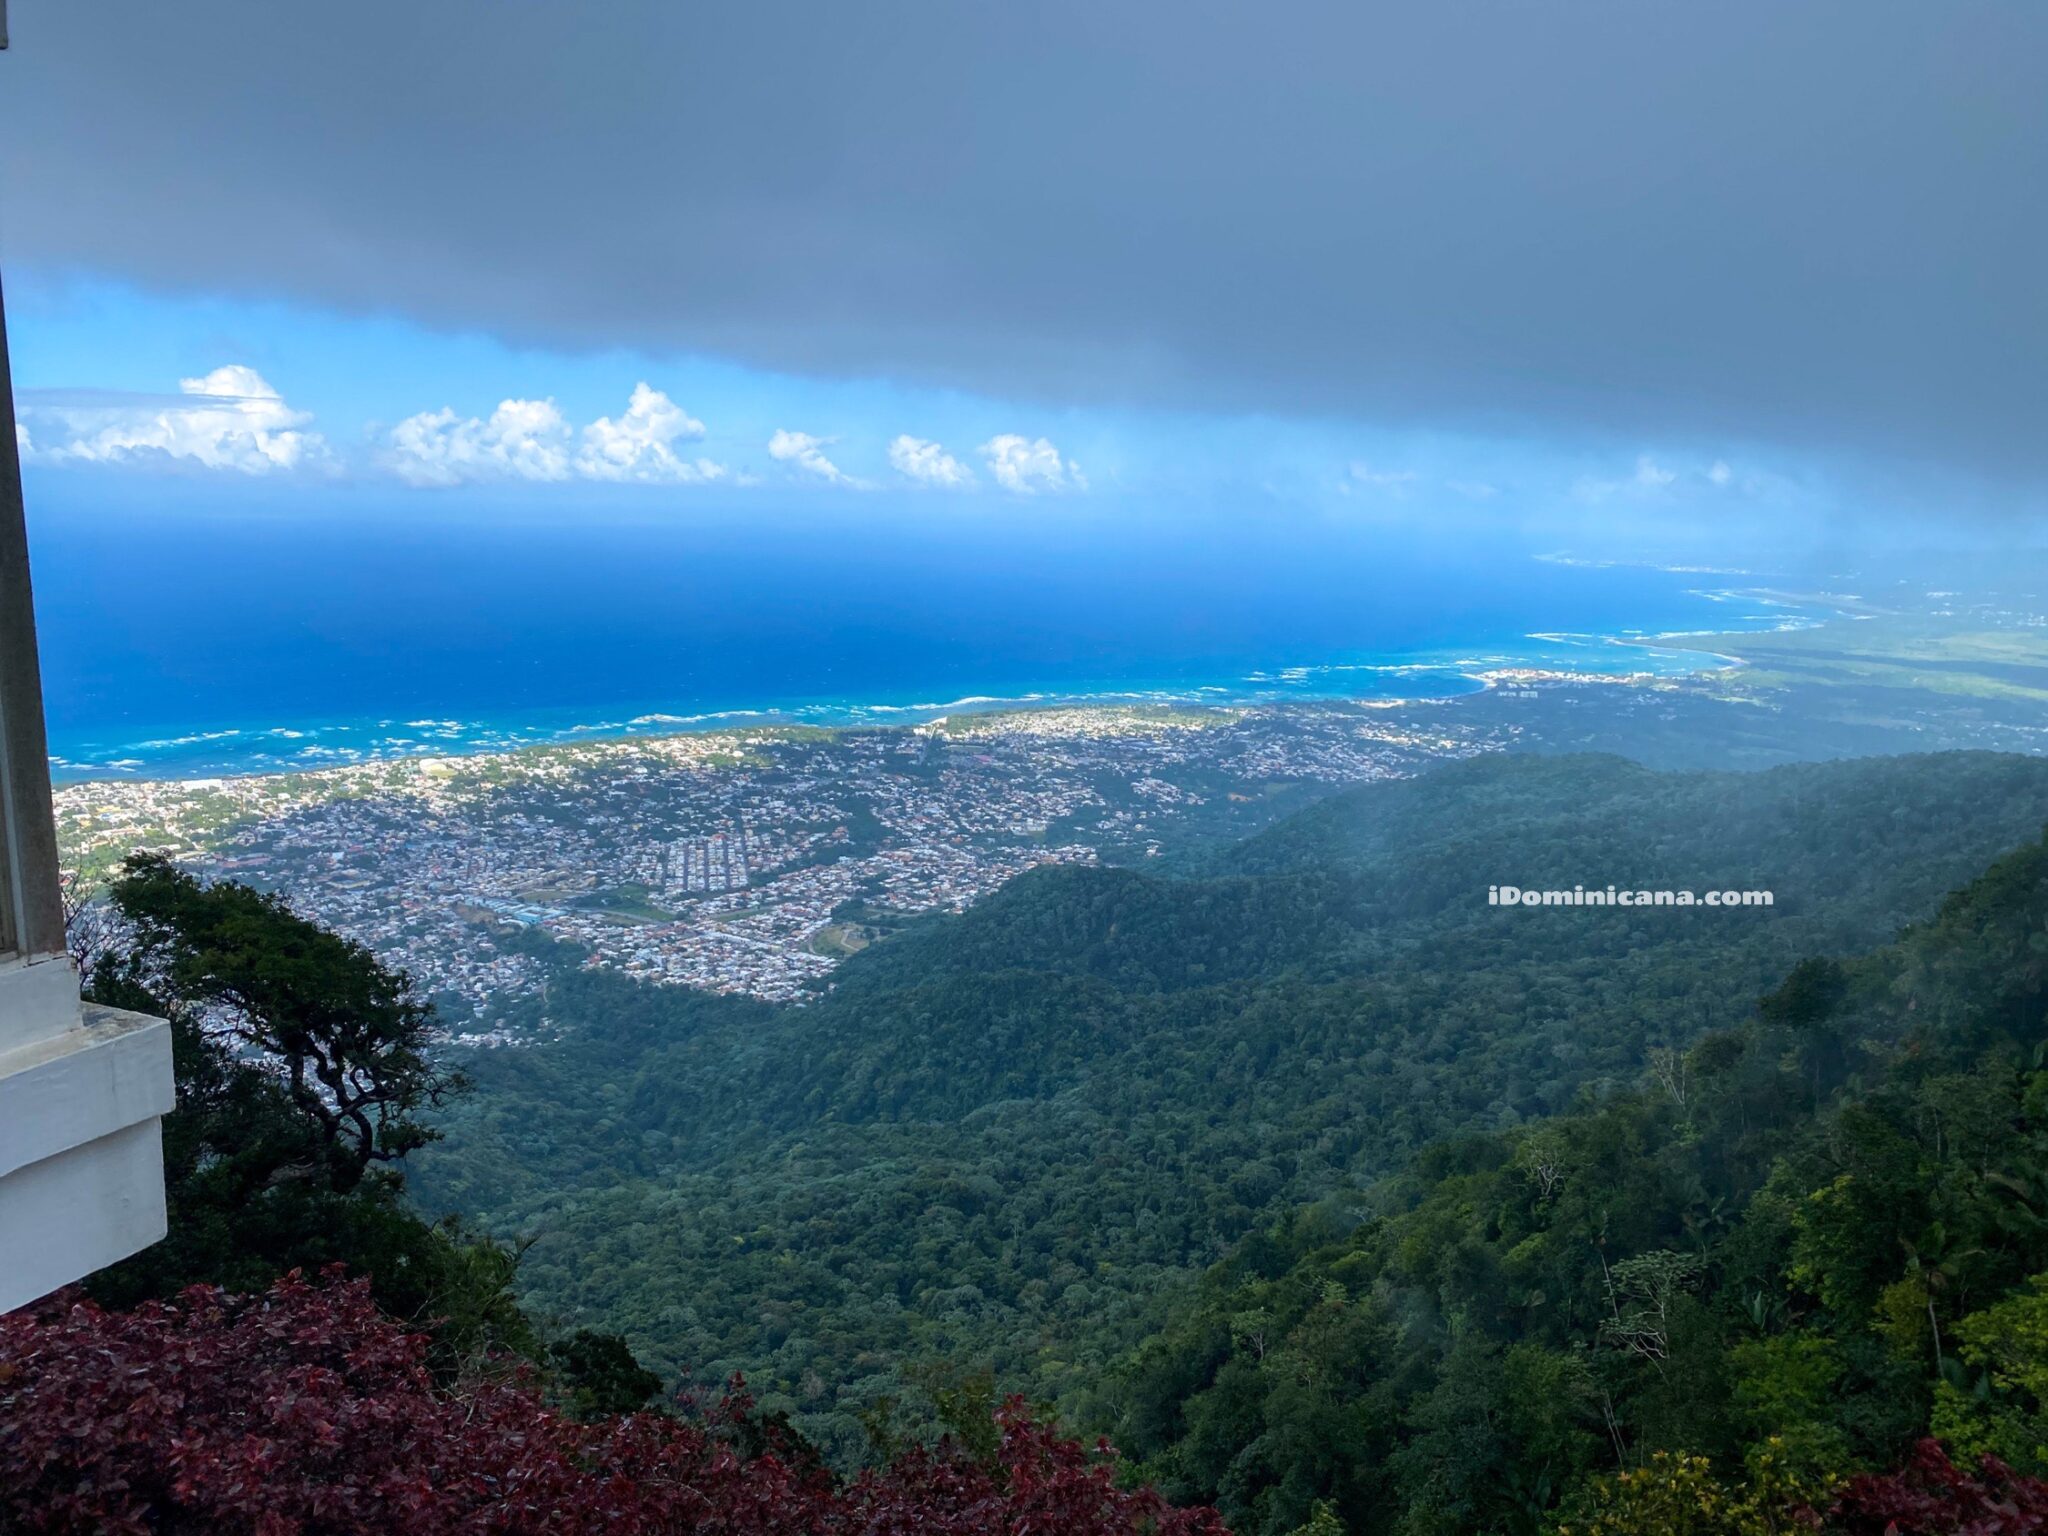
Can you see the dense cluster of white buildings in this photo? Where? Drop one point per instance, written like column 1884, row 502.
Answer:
column 740, row 862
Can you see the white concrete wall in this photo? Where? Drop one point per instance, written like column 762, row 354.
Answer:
column 82, row 1094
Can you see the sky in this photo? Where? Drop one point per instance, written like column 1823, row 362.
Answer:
column 1635, row 273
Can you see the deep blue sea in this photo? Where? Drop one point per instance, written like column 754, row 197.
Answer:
column 255, row 642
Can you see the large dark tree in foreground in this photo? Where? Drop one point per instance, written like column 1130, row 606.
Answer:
column 346, row 1034
column 306, row 1412
column 301, row 1070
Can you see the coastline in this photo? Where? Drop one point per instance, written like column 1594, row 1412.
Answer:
column 1386, row 681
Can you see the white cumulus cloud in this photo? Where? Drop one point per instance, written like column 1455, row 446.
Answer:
column 1026, row 466
column 928, row 463
column 520, row 440
column 808, row 453
column 230, row 418
column 533, row 440
column 640, row 445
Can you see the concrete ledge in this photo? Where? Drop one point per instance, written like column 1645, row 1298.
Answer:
column 81, row 1149
column 79, row 1211
column 109, row 1071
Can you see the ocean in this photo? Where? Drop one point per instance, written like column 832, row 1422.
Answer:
column 260, row 642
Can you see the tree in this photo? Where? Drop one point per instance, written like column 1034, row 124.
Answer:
column 264, row 1172
column 1806, row 1005
column 600, row 1375
column 1679, row 1495
column 2003, row 1413
column 346, row 1035
column 1322, row 1521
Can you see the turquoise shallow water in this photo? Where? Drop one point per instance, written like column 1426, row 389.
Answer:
column 196, row 647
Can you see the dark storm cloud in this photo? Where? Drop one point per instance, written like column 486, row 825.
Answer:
column 1819, row 224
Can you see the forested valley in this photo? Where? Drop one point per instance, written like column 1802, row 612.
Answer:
column 1333, row 1197
column 1004, row 1151
column 1779, row 1258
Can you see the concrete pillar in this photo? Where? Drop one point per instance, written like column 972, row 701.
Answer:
column 31, row 909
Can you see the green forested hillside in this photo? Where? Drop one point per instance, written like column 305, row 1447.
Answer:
column 1015, row 1138
column 1789, row 1250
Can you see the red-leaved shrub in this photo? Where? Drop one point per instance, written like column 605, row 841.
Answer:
column 1931, row 1496
column 307, row 1412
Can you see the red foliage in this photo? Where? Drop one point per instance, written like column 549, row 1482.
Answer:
column 1930, row 1496
column 306, row 1412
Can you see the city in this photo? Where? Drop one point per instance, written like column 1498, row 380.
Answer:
column 746, row 862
